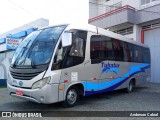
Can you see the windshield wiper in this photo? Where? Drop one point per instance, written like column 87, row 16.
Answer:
column 19, row 56
column 33, row 63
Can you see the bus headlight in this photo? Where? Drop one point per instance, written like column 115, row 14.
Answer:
column 9, row 80
column 41, row 83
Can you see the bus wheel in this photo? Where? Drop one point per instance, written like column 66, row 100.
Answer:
column 130, row 87
column 72, row 97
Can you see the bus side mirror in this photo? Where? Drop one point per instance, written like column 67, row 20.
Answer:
column 66, row 39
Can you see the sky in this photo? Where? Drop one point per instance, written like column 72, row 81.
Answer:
column 15, row 13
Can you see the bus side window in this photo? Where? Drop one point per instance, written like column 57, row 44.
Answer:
column 138, row 56
column 101, row 49
column 58, row 58
column 118, row 50
column 77, row 48
column 75, row 53
column 96, row 49
column 132, row 52
column 128, row 52
column 146, row 55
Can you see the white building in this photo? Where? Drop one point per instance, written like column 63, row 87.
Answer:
column 10, row 40
column 138, row 20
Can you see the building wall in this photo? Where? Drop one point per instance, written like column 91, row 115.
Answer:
column 95, row 9
column 151, row 38
column 133, row 3
column 2, row 60
column 3, row 47
column 147, row 14
column 101, row 6
column 152, row 3
column 5, row 63
column 6, row 55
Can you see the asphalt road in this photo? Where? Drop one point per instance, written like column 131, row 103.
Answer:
column 144, row 98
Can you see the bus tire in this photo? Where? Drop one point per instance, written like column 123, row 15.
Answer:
column 130, row 87
column 72, row 97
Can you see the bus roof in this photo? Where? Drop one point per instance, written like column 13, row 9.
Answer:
column 100, row 31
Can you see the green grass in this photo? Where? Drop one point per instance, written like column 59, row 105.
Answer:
column 2, row 87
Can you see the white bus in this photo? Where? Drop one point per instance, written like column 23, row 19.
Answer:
column 60, row 63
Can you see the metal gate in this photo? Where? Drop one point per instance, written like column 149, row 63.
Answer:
column 152, row 39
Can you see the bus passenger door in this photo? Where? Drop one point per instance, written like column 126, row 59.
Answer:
column 92, row 65
column 77, row 68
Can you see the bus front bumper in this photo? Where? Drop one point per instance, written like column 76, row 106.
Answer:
column 46, row 95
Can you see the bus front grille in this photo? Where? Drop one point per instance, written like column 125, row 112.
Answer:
column 24, row 76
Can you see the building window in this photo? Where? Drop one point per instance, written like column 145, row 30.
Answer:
column 143, row 2
column 118, row 49
column 101, row 49
column 151, row 25
column 125, row 31
column 75, row 54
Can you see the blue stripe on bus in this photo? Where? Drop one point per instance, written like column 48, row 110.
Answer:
column 113, row 84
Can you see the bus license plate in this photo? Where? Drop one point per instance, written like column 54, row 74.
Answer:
column 19, row 92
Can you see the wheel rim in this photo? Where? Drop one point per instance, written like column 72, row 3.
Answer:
column 72, row 96
column 130, row 86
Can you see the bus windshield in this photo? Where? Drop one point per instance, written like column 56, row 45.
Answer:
column 37, row 48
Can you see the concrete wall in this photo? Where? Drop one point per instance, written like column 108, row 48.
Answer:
column 148, row 14
column 96, row 10
column 3, row 47
column 149, row 4
column 133, row 3
column 5, row 60
column 5, row 63
column 151, row 38
column 93, row 8
column 124, row 16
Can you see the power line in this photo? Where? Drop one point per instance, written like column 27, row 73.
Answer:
column 20, row 7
